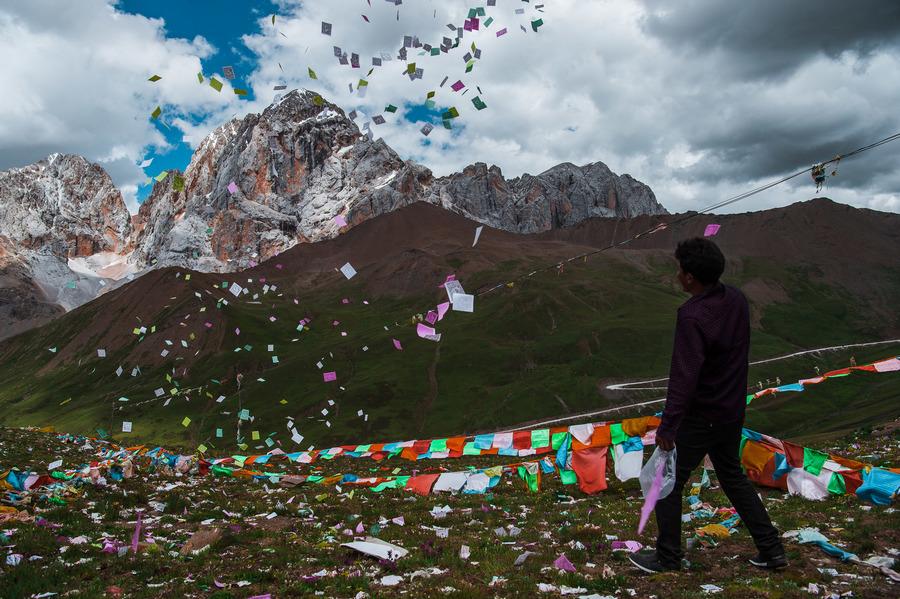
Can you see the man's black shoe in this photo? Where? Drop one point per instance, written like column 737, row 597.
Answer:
column 647, row 561
column 769, row 563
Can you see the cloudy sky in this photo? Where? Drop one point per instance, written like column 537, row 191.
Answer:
column 700, row 99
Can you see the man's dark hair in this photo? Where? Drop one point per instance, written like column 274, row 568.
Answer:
column 702, row 258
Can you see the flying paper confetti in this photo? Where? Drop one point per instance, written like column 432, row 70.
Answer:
column 329, row 376
column 232, row 188
column 154, row 78
column 477, row 234
column 348, row 271
column 711, row 230
column 326, row 28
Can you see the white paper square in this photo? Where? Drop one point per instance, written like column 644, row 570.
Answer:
column 235, row 289
column 126, row 427
column 348, row 271
column 463, row 302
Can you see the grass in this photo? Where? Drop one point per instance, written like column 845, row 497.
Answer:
column 298, row 552
column 543, row 348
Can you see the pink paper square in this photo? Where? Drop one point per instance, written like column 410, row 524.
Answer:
column 457, row 86
column 329, row 376
column 232, row 188
column 340, row 221
column 501, row 32
column 424, row 330
column 279, row 266
column 431, row 317
column 442, row 309
column 397, row 344
column 711, row 230
column 345, row 301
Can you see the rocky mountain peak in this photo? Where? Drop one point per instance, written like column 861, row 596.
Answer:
column 260, row 184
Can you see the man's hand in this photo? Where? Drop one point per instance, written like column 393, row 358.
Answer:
column 665, row 444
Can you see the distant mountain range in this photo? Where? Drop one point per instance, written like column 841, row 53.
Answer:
column 256, row 187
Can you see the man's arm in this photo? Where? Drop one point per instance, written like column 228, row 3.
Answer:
column 688, row 355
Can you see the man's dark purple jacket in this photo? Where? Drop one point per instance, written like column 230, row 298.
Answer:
column 708, row 375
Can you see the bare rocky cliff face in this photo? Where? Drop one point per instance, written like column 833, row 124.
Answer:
column 257, row 186
column 302, row 163
column 62, row 221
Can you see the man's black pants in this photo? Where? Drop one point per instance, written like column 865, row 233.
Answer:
column 697, row 438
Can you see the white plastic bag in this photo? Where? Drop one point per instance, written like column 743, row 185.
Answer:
column 648, row 472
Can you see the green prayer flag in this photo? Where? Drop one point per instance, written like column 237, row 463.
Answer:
column 530, row 479
column 616, row 434
column 536, row 23
column 558, row 439
column 178, row 183
column 478, row 103
column 218, row 433
column 451, row 113
column 540, row 438
column 186, row 421
column 469, row 66
column 837, row 485
column 312, row 73
column 362, row 448
column 397, row 483
column 200, row 77
column 438, row 445
column 488, row 21
column 568, row 477
column 470, row 449
column 411, row 68
column 435, row 51
column 240, row 92
column 813, row 460
column 215, row 84
column 390, row 108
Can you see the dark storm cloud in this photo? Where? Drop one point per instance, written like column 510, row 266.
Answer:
column 771, row 38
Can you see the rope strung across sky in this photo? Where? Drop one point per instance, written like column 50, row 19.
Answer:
column 686, row 217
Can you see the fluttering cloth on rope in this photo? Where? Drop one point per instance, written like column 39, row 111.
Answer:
column 581, row 455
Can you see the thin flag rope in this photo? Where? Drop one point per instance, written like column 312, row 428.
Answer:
column 678, row 221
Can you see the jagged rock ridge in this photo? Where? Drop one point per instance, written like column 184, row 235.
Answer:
column 67, row 234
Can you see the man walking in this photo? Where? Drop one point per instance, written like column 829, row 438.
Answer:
column 705, row 405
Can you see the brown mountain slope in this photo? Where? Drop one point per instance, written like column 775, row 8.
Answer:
column 404, row 253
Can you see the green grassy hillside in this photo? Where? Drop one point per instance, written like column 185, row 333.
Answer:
column 542, row 348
